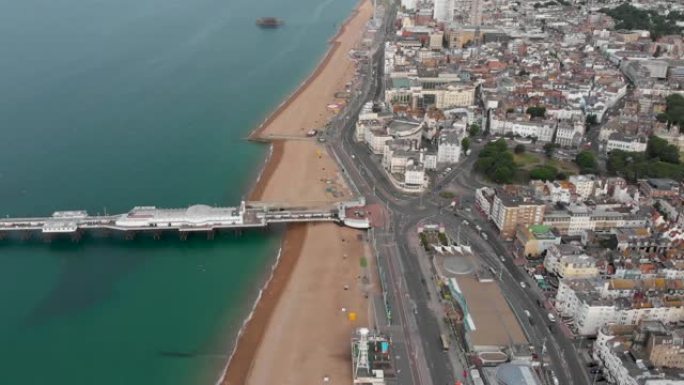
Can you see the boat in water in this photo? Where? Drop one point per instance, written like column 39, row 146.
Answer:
column 269, row 22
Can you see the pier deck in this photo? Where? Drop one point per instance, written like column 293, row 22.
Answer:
column 196, row 218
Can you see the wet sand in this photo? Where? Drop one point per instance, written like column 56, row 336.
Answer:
column 252, row 335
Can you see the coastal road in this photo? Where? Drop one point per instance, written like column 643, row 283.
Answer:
column 415, row 329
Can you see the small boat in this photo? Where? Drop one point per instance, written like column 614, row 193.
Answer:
column 269, row 22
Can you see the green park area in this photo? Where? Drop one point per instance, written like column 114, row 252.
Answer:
column 500, row 164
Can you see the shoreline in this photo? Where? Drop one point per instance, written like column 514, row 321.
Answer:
column 254, row 326
column 249, row 338
column 333, row 45
column 275, row 154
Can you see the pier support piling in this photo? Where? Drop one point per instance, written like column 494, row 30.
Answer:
column 76, row 236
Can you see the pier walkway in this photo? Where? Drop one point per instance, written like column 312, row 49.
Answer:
column 196, row 218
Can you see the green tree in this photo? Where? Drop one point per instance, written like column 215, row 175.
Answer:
column 544, row 173
column 519, row 149
column 674, row 111
column 474, row 129
column 661, row 149
column 591, row 120
column 586, row 162
column 629, row 17
column 536, row 111
column 465, row 144
column 495, row 161
column 549, row 149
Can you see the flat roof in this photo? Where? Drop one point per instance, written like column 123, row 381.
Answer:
column 495, row 323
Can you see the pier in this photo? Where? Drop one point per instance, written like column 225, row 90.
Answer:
column 196, row 218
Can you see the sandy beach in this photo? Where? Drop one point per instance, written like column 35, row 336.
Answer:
column 300, row 330
column 308, row 335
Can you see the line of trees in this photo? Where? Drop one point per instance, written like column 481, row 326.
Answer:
column 661, row 160
column 674, row 112
column 586, row 160
column 629, row 17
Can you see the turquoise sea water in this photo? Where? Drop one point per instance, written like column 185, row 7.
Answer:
column 107, row 104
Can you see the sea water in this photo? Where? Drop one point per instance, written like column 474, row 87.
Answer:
column 109, row 104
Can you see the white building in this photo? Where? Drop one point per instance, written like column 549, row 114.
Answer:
column 617, row 141
column 585, row 185
column 569, row 261
column 449, row 147
column 593, row 303
column 542, row 130
column 443, row 11
column 484, row 196
column 414, row 176
column 621, row 366
column 409, row 5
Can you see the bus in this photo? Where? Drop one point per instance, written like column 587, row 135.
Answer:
column 445, row 342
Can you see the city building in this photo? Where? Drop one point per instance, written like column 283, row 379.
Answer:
column 449, row 146
column 618, row 141
column 444, row 11
column 584, row 185
column 659, row 188
column 646, row 353
column 533, row 240
column 594, row 302
column 570, row 265
column 510, row 210
column 575, row 219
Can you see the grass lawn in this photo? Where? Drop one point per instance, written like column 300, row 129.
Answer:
column 526, row 159
column 529, row 160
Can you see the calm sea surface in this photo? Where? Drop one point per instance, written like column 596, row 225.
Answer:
column 108, row 104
